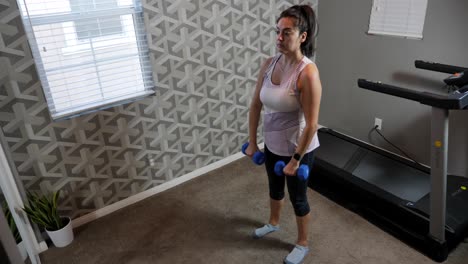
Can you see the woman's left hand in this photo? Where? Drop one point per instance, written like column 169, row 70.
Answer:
column 291, row 168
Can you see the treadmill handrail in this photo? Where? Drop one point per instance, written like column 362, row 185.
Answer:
column 438, row 67
column 453, row 101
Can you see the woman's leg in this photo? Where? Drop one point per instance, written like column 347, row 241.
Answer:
column 298, row 195
column 276, row 187
column 303, row 229
column 275, row 211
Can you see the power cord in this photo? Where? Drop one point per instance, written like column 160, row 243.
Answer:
column 393, row 145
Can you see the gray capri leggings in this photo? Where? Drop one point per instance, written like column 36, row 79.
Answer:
column 297, row 189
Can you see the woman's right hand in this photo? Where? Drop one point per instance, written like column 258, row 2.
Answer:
column 251, row 150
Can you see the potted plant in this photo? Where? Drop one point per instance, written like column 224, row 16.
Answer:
column 42, row 210
column 14, row 230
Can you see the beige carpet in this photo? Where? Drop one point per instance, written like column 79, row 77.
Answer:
column 210, row 220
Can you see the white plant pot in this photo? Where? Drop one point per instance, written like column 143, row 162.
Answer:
column 22, row 250
column 62, row 237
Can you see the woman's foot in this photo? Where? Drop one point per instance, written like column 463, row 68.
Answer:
column 297, row 255
column 264, row 230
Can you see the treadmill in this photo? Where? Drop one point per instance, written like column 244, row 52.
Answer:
column 422, row 206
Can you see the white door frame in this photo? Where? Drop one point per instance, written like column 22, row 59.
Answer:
column 7, row 241
column 15, row 203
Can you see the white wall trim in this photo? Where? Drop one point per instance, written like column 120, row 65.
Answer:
column 43, row 246
column 155, row 190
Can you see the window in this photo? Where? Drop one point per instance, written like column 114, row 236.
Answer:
column 96, row 27
column 90, row 54
column 403, row 18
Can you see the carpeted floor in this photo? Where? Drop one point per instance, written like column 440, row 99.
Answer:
column 210, row 219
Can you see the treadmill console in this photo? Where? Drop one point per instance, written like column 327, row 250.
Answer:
column 458, row 79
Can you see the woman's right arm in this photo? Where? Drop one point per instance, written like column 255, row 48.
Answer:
column 255, row 110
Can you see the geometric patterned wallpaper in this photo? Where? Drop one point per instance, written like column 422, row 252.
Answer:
column 205, row 56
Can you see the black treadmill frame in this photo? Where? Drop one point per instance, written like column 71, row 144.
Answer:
column 383, row 209
column 436, row 238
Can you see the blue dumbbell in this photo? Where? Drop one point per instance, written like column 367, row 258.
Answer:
column 258, row 158
column 302, row 171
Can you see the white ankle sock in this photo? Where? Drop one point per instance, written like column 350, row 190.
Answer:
column 264, row 230
column 297, row 255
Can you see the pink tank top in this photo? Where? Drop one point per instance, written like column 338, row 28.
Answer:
column 283, row 118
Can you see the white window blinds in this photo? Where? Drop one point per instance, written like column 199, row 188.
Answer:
column 403, row 18
column 90, row 54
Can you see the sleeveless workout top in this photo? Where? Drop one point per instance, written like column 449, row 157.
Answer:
column 283, row 118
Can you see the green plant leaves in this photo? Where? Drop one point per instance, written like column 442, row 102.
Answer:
column 42, row 210
column 11, row 222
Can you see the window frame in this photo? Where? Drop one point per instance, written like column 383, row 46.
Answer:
column 148, row 87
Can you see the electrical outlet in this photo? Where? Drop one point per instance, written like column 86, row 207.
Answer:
column 378, row 123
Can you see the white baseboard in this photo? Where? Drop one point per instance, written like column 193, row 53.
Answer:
column 160, row 188
column 42, row 247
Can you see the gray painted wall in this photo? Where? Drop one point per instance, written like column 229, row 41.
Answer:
column 205, row 54
column 345, row 53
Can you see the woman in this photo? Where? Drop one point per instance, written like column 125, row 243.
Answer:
column 289, row 87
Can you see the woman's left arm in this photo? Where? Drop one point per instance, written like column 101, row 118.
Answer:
column 310, row 91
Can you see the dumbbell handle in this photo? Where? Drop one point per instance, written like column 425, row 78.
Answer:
column 258, row 157
column 302, row 171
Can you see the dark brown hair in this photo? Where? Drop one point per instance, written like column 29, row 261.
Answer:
column 305, row 21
